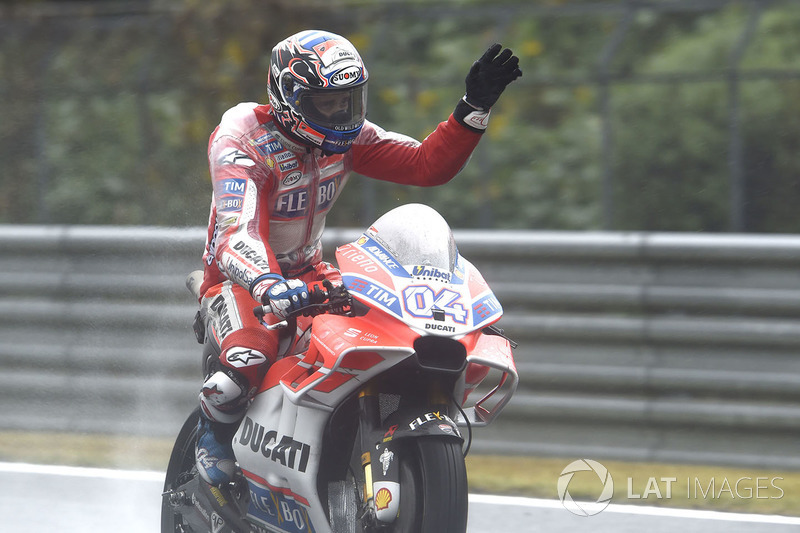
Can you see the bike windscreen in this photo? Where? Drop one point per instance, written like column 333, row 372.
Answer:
column 416, row 234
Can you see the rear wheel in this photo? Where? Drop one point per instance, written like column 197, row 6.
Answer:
column 181, row 462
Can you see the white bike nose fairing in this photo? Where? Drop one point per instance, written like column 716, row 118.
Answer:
column 407, row 265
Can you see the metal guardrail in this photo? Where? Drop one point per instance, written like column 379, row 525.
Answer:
column 662, row 347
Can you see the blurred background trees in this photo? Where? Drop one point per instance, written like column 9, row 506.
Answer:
column 667, row 115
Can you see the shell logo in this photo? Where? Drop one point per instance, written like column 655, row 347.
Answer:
column 382, row 499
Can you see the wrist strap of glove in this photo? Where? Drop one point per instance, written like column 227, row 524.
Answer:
column 259, row 286
column 473, row 118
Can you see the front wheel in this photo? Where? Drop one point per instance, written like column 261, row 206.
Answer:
column 433, row 488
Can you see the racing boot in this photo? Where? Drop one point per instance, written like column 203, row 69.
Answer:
column 214, row 457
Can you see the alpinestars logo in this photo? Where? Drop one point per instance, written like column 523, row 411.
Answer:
column 211, row 391
column 478, row 119
column 232, row 156
column 244, row 357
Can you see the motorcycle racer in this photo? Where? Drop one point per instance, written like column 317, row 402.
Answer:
column 276, row 171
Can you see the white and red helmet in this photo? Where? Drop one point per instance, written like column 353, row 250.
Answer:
column 318, row 89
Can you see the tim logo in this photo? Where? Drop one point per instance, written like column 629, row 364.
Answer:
column 485, row 308
column 267, row 144
column 233, row 186
column 231, row 194
column 377, row 294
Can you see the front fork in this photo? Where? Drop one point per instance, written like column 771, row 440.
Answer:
column 379, row 449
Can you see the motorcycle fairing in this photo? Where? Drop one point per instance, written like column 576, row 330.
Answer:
column 433, row 293
column 457, row 303
column 279, row 458
column 484, row 353
column 275, row 509
column 381, row 255
column 344, row 353
column 486, row 308
column 278, row 444
column 431, row 299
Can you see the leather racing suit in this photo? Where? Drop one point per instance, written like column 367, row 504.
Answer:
column 271, row 196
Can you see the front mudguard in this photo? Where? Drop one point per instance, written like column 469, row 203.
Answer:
column 431, row 423
column 381, row 466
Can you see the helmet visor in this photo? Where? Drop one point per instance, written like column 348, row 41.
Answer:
column 336, row 110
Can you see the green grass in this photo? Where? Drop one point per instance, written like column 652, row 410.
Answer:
column 695, row 486
column 105, row 451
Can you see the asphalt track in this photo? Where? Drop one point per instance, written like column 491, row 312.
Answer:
column 45, row 499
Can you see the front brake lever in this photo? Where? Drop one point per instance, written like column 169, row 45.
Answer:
column 261, row 310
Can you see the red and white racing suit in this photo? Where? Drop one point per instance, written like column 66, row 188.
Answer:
column 271, row 196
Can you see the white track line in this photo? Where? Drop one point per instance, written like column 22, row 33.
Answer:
column 146, row 475
column 642, row 510
column 79, row 471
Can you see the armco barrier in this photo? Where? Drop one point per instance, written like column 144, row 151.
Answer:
column 664, row 347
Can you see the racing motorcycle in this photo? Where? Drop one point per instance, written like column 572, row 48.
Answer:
column 361, row 428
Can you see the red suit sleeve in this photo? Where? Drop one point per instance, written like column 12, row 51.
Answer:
column 397, row 158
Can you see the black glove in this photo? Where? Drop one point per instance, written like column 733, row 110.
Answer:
column 487, row 79
column 490, row 75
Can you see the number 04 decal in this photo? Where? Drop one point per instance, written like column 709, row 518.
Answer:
column 421, row 300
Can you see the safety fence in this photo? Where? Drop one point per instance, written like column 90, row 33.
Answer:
column 636, row 346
